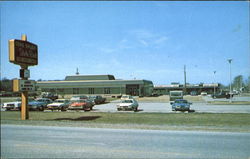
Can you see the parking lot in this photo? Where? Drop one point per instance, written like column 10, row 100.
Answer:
column 199, row 107
column 162, row 105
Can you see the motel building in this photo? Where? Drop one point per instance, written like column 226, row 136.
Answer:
column 105, row 85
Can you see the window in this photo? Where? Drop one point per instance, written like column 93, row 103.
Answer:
column 91, row 91
column 75, row 90
column 106, row 90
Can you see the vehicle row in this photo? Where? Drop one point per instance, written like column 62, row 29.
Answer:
column 127, row 103
column 76, row 102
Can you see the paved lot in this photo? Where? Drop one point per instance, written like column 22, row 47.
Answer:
column 166, row 108
column 71, row 142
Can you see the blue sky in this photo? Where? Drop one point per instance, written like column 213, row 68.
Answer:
column 142, row 40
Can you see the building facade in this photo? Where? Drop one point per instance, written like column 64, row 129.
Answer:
column 97, row 84
column 193, row 89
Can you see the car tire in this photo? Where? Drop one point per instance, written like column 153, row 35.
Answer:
column 41, row 108
column 135, row 109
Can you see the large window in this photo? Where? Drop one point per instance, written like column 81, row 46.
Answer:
column 75, row 90
column 91, row 91
column 106, row 90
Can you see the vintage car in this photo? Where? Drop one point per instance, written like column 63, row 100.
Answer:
column 12, row 105
column 78, row 97
column 128, row 104
column 81, row 104
column 16, row 105
column 36, row 105
column 59, row 104
column 97, row 99
column 180, row 105
column 49, row 95
column 44, row 100
column 124, row 97
column 222, row 94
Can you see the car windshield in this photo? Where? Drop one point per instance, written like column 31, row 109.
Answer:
column 79, row 101
column 60, row 101
column 41, row 100
column 127, row 101
column 180, row 101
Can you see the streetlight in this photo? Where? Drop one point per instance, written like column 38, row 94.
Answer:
column 214, row 82
column 230, row 93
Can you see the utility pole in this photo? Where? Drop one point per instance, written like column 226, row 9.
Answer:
column 214, row 82
column 185, row 82
column 230, row 93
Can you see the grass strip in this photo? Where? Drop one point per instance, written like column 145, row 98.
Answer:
column 186, row 121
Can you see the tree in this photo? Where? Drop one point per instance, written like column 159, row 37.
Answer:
column 238, row 83
column 6, row 85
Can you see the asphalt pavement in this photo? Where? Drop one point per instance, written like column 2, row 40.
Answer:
column 199, row 107
column 165, row 107
column 71, row 142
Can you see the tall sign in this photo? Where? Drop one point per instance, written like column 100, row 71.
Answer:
column 23, row 53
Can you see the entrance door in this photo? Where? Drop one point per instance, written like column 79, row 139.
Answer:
column 132, row 89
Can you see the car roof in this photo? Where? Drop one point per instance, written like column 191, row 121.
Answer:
column 180, row 100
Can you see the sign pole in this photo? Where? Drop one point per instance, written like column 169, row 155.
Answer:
column 24, row 106
column 25, row 54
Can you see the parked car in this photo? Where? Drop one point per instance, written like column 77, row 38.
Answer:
column 16, row 105
column 36, row 105
column 124, row 97
column 97, row 99
column 49, row 95
column 193, row 93
column 78, row 97
column 83, row 104
column 223, row 94
column 59, row 104
column 12, row 105
column 128, row 104
column 203, row 93
column 180, row 105
column 46, row 101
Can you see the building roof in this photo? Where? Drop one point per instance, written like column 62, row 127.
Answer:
column 91, row 83
column 89, row 77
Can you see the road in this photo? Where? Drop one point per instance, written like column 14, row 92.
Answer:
column 71, row 142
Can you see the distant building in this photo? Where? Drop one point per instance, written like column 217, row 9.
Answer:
column 190, row 88
column 97, row 84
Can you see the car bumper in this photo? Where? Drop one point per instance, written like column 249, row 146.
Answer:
column 8, row 107
column 125, row 108
column 181, row 108
column 53, row 107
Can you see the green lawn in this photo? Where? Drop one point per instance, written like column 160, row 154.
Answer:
column 185, row 121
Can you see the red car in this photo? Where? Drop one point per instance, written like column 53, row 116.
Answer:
column 82, row 104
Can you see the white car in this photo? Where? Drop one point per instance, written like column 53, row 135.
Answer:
column 128, row 104
column 12, row 105
column 59, row 104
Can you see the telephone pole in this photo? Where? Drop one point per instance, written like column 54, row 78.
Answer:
column 185, row 82
column 230, row 93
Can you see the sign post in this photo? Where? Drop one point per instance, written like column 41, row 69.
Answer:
column 23, row 53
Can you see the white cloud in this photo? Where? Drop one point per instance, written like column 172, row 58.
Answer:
column 161, row 40
column 147, row 38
